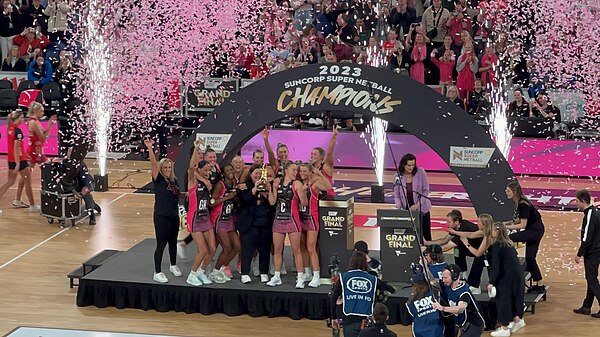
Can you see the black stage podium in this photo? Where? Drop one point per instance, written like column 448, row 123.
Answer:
column 399, row 244
column 336, row 237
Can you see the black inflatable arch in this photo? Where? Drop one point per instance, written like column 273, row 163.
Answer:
column 371, row 91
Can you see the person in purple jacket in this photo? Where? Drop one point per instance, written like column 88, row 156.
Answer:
column 411, row 191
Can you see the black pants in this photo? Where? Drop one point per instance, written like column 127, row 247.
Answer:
column 477, row 266
column 166, row 229
column 188, row 239
column 509, row 299
column 591, row 263
column 473, row 331
column 426, row 226
column 532, row 241
column 256, row 238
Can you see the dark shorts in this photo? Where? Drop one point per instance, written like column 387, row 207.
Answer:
column 22, row 165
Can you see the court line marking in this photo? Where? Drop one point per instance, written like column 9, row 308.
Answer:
column 50, row 238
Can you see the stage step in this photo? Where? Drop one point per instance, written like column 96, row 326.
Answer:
column 532, row 298
column 90, row 265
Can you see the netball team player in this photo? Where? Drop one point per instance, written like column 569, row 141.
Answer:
column 276, row 163
column 17, row 159
column 313, row 182
column 223, row 203
column 324, row 163
column 166, row 219
column 35, row 148
column 198, row 219
column 282, row 196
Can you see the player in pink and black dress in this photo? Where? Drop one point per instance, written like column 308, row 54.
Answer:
column 325, row 162
column 313, row 182
column 282, row 195
column 223, row 203
column 198, row 219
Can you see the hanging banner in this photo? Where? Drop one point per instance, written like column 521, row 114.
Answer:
column 210, row 93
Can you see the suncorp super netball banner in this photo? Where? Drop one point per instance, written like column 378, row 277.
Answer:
column 527, row 156
column 50, row 148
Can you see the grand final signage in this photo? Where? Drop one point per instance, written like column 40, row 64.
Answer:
column 341, row 86
column 210, row 93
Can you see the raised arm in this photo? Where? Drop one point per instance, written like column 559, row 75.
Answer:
column 329, row 159
column 272, row 157
column 154, row 164
column 273, row 192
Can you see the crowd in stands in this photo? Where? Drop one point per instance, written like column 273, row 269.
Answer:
column 33, row 37
column 450, row 43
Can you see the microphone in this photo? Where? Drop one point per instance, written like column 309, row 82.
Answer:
column 398, row 180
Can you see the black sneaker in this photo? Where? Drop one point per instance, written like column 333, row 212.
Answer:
column 596, row 315
column 97, row 208
column 583, row 311
column 537, row 289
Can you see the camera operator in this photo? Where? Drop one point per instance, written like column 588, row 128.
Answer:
column 358, row 289
column 426, row 319
column 374, row 264
column 379, row 329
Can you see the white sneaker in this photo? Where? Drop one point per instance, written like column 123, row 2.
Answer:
column 500, row 332
column 175, row 271
column 316, row 282
column 160, row 277
column 222, row 271
column 217, row 277
column 202, row 277
column 20, row 204
column 475, row 291
column 193, row 279
column 300, row 282
column 275, row 281
column 181, row 250
column 517, row 326
column 34, row 209
column 246, row 279
column 264, row 278
column 306, row 277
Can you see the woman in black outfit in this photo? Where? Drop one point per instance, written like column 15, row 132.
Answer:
column 526, row 217
column 255, row 225
column 166, row 216
column 506, row 275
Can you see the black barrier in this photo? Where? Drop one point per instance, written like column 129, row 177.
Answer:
column 336, row 232
column 398, row 243
column 476, row 161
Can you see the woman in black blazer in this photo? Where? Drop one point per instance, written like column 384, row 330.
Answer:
column 255, row 225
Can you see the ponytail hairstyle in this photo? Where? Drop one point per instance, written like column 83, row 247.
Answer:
column 33, row 107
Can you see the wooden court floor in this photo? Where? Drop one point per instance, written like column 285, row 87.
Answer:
column 36, row 256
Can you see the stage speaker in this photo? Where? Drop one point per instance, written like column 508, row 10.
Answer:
column 100, row 183
column 377, row 195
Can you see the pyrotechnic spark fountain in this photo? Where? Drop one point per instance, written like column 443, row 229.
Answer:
column 377, row 129
column 99, row 66
column 498, row 120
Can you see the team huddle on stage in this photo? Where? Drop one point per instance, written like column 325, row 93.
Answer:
column 248, row 211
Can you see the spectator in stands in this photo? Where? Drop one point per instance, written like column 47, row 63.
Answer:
column 436, row 20
column 454, row 97
column 542, row 107
column 362, row 32
column 419, row 6
column 328, row 55
column 306, row 54
column 535, row 87
column 418, row 55
column 448, row 45
column 303, row 12
column 372, row 54
column 10, row 26
column 30, row 39
column 485, row 104
column 57, row 13
column 460, row 21
column 57, row 59
column 65, row 78
column 13, row 62
column 401, row 17
column 348, row 125
column 40, row 72
column 487, row 69
column 446, row 65
column 345, row 38
column 519, row 107
column 259, row 69
column 33, row 15
column 475, row 97
column 467, row 66
column 32, row 56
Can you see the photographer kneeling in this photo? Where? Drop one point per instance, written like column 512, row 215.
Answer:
column 379, row 329
column 358, row 291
